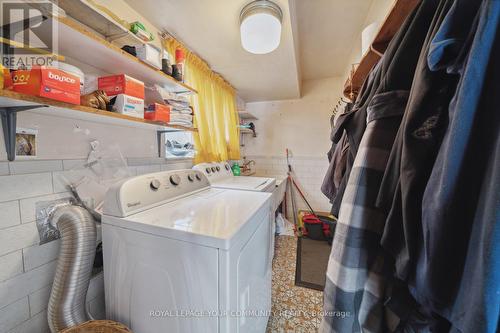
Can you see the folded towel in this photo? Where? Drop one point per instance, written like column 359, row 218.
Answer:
column 182, row 123
column 181, row 117
column 158, row 94
column 177, row 103
column 184, row 111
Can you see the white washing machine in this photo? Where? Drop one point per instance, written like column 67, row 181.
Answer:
column 220, row 175
column 181, row 256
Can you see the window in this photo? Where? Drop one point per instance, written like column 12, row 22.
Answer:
column 179, row 145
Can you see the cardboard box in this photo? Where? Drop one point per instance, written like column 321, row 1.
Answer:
column 7, row 79
column 129, row 105
column 158, row 112
column 121, row 84
column 149, row 54
column 48, row 82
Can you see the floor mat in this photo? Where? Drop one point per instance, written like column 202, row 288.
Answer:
column 312, row 261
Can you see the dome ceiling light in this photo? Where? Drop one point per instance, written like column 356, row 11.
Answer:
column 260, row 26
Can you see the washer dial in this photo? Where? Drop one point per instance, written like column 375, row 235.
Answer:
column 155, row 184
column 175, row 180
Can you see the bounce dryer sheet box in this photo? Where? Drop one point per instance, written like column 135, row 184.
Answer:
column 157, row 112
column 48, row 82
column 129, row 105
column 121, row 84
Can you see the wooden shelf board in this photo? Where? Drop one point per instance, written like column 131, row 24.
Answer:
column 80, row 43
column 83, row 44
column 362, row 70
column 244, row 115
column 99, row 21
column 246, row 131
column 393, row 21
column 55, row 108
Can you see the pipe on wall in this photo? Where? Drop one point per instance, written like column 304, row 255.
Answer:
column 74, row 267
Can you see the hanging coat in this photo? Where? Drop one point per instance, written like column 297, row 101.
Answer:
column 337, row 157
column 358, row 270
column 458, row 272
column 415, row 149
column 351, row 125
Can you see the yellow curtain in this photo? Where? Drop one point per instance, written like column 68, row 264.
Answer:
column 214, row 106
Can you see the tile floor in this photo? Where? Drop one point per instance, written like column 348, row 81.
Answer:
column 294, row 309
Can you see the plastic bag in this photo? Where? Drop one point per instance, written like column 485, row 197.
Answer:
column 283, row 226
column 104, row 167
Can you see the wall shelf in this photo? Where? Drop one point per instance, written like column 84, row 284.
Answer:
column 99, row 21
column 12, row 102
column 91, row 45
column 393, row 21
column 244, row 115
column 246, row 131
column 91, row 38
column 14, row 99
column 80, row 43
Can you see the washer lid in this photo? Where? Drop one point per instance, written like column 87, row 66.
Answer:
column 244, row 183
column 212, row 217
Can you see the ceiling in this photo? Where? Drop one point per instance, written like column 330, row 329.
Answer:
column 316, row 41
column 327, row 31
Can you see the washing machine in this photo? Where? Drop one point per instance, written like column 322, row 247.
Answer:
column 220, row 175
column 182, row 256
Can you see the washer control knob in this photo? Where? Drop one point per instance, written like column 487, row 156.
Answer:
column 213, row 169
column 218, row 168
column 155, row 184
column 198, row 177
column 175, row 180
column 208, row 170
column 190, row 177
column 228, row 167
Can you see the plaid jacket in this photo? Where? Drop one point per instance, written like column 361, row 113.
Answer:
column 357, row 269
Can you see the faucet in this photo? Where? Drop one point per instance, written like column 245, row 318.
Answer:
column 246, row 165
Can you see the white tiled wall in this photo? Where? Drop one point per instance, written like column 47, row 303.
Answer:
column 303, row 127
column 308, row 173
column 26, row 268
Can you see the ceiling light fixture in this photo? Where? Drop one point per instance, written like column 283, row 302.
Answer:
column 260, row 26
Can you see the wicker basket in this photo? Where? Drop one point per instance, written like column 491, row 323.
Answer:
column 98, row 326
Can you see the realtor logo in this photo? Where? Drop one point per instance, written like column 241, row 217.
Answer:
column 27, row 33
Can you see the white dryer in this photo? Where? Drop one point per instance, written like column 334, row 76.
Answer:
column 220, row 175
column 181, row 256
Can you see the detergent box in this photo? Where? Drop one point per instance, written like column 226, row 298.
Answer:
column 121, row 84
column 157, row 112
column 129, row 105
column 47, row 82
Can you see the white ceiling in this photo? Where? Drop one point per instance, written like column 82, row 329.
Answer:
column 327, row 31
column 316, row 41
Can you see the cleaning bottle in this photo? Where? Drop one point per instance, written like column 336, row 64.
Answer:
column 166, row 66
column 236, row 169
column 179, row 62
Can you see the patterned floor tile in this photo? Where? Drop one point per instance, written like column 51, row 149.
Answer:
column 294, row 309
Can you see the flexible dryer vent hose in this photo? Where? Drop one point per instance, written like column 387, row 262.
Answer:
column 74, row 267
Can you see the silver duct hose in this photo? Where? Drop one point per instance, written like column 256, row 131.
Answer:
column 74, row 267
